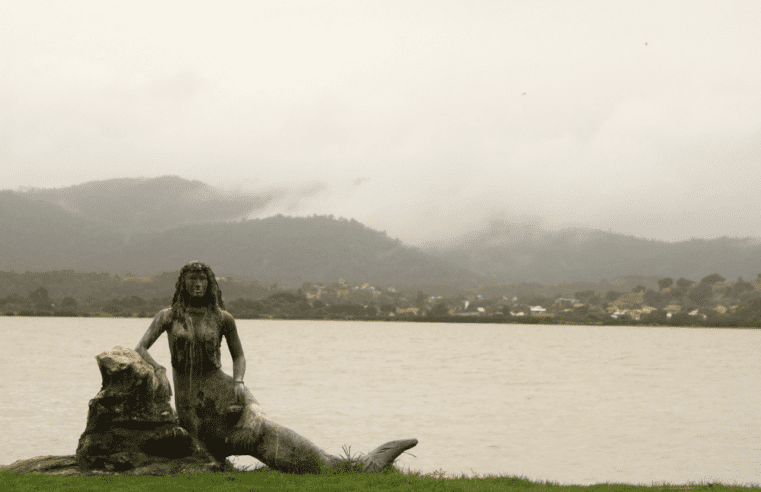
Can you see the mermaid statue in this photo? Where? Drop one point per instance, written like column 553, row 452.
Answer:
column 218, row 409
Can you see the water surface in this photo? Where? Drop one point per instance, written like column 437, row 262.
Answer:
column 569, row 404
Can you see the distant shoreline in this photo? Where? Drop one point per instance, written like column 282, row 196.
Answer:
column 512, row 320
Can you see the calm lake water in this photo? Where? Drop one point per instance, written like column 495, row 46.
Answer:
column 577, row 404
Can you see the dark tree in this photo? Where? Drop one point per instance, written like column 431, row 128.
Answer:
column 612, row 295
column 639, row 288
column 684, row 284
column 713, row 278
column 420, row 299
column 345, row 309
column 653, row 298
column 665, row 283
column 741, row 287
column 536, row 300
column 242, row 306
column 440, row 309
column 658, row 316
column 751, row 309
column 68, row 302
column 595, row 300
column 701, row 294
column 40, row 296
column 285, row 297
column 134, row 301
column 584, row 295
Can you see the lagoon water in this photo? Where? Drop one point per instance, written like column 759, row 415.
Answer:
column 569, row 404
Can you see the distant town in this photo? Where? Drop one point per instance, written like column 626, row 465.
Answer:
column 713, row 301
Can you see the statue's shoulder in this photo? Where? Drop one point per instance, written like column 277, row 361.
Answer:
column 227, row 320
column 164, row 316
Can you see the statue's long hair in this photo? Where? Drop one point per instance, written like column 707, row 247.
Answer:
column 211, row 299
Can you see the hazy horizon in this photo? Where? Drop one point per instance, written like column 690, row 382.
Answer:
column 423, row 119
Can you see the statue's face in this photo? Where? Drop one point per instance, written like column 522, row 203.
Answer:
column 196, row 283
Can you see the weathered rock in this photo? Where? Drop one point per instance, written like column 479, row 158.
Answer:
column 131, row 425
column 52, row 465
column 67, row 465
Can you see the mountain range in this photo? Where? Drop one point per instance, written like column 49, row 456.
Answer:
column 144, row 227
column 527, row 253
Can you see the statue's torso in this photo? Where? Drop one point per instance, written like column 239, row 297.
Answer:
column 203, row 393
column 195, row 345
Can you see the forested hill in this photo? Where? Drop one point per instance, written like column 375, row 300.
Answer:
column 39, row 236
column 519, row 253
column 292, row 250
column 138, row 227
column 156, row 204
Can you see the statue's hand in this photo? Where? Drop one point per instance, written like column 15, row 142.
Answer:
column 240, row 393
column 164, row 386
column 179, row 432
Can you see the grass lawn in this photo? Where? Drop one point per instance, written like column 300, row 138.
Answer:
column 268, row 480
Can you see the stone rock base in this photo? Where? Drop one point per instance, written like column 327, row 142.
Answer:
column 131, row 425
column 67, row 465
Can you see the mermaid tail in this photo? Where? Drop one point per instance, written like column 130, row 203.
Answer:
column 212, row 413
column 385, row 454
column 282, row 449
column 278, row 447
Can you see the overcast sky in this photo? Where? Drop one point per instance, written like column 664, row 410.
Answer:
column 413, row 117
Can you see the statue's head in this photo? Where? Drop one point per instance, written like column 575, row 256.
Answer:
column 196, row 285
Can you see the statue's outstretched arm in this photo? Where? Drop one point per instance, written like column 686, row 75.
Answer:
column 236, row 351
column 157, row 327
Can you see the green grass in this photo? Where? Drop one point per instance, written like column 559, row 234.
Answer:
column 263, row 479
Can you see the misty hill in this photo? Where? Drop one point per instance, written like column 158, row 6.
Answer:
column 526, row 253
column 39, row 236
column 150, row 204
column 146, row 227
column 291, row 250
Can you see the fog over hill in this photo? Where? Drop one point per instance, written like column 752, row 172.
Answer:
column 138, row 204
column 528, row 253
column 41, row 236
column 148, row 226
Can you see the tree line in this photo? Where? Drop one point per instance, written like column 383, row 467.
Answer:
column 712, row 301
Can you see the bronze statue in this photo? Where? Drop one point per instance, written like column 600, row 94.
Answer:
column 217, row 408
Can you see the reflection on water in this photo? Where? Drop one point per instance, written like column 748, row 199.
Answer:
column 568, row 404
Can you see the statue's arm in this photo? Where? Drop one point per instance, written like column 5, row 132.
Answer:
column 157, row 327
column 235, row 346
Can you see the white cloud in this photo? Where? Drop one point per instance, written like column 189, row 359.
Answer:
column 449, row 110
